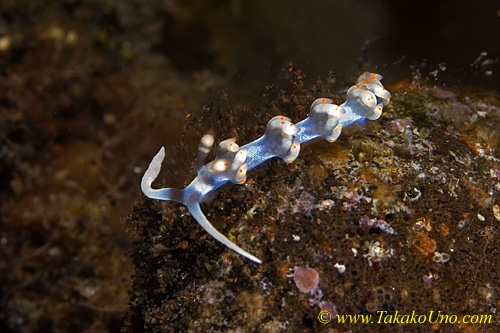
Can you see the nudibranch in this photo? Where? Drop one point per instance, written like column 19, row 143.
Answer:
column 365, row 100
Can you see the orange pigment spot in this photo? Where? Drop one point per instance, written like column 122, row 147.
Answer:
column 444, row 229
column 366, row 175
column 404, row 85
column 282, row 270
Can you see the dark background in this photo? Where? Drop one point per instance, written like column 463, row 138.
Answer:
column 255, row 39
column 90, row 90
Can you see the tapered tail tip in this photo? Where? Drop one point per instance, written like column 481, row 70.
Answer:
column 152, row 171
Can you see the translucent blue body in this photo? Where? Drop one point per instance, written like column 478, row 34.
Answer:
column 365, row 100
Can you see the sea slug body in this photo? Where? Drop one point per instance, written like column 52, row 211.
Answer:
column 365, row 100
